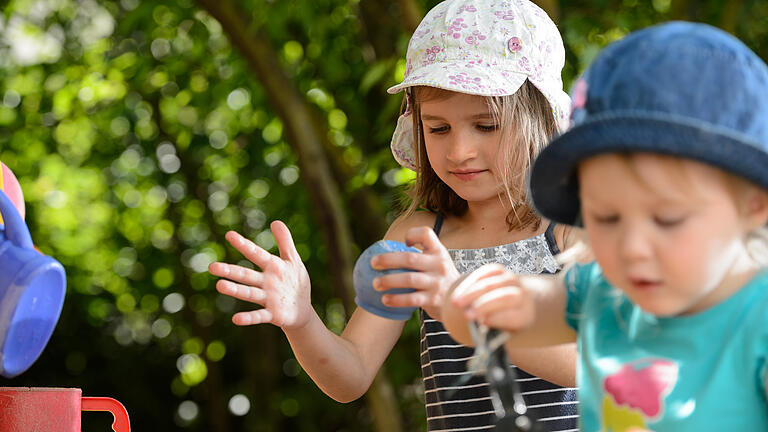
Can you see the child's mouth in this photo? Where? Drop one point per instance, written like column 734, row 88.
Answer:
column 642, row 284
column 468, row 174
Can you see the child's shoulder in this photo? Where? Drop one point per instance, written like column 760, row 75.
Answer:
column 406, row 221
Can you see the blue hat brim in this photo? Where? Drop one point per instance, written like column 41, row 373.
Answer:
column 553, row 184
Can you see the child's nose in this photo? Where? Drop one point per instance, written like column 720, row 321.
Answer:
column 461, row 149
column 634, row 243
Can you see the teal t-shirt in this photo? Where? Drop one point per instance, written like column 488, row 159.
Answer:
column 701, row 372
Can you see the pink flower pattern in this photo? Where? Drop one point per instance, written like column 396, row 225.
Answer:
column 463, row 80
column 507, row 15
column 475, row 38
column 431, row 55
column 420, row 33
column 524, row 64
column 456, row 27
column 408, row 68
column 580, row 94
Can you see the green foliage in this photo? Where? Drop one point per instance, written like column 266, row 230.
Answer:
column 140, row 136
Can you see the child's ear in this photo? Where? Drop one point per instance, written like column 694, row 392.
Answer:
column 756, row 208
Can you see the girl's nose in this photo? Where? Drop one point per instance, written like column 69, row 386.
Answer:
column 461, row 149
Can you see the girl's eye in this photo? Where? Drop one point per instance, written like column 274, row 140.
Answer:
column 605, row 219
column 488, row 128
column 438, row 130
column 668, row 222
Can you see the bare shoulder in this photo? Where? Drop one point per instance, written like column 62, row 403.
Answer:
column 565, row 236
column 404, row 222
column 572, row 242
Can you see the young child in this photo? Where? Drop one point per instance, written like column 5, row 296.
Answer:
column 484, row 94
column 666, row 168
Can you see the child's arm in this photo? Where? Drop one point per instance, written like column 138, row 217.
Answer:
column 530, row 308
column 342, row 366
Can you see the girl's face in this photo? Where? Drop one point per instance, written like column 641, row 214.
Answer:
column 669, row 233
column 462, row 142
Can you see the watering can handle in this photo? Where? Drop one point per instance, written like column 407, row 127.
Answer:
column 15, row 229
column 121, row 423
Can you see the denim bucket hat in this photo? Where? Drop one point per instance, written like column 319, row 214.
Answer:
column 484, row 48
column 680, row 89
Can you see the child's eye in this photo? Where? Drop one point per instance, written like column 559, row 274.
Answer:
column 668, row 222
column 439, row 130
column 488, row 128
column 608, row 219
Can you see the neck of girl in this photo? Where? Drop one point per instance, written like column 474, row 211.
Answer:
column 490, row 218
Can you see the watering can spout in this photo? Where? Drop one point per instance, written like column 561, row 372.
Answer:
column 16, row 230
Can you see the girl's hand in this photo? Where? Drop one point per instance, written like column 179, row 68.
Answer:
column 282, row 286
column 495, row 297
column 433, row 274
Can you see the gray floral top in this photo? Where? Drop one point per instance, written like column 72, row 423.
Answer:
column 529, row 256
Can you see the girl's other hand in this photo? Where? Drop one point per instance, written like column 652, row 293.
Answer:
column 282, row 286
column 432, row 276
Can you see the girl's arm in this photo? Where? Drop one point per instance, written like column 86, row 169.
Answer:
column 342, row 366
column 556, row 363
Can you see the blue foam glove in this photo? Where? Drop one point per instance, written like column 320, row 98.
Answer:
column 368, row 298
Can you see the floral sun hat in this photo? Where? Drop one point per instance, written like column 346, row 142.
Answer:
column 485, row 48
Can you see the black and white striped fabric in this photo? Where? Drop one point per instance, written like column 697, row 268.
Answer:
column 456, row 405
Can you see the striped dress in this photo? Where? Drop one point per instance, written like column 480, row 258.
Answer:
column 467, row 407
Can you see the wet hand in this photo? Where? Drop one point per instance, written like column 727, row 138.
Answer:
column 282, row 286
column 495, row 297
column 432, row 275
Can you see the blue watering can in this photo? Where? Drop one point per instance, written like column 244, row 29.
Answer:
column 32, row 288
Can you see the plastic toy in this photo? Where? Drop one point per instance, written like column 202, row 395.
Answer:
column 25, row 409
column 363, row 274
column 32, row 288
column 10, row 185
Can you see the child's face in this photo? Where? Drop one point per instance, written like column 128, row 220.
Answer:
column 669, row 233
column 462, row 142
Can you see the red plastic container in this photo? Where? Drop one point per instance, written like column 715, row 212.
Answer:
column 44, row 409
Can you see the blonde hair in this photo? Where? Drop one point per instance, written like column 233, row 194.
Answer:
column 526, row 125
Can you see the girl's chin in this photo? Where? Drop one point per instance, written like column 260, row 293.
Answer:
column 477, row 192
column 478, row 198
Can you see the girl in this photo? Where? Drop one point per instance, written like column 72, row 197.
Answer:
column 484, row 94
column 666, row 166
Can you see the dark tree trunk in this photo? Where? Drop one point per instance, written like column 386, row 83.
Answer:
column 308, row 139
column 551, row 7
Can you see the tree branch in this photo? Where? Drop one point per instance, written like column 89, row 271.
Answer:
column 308, row 139
column 552, row 8
column 412, row 14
